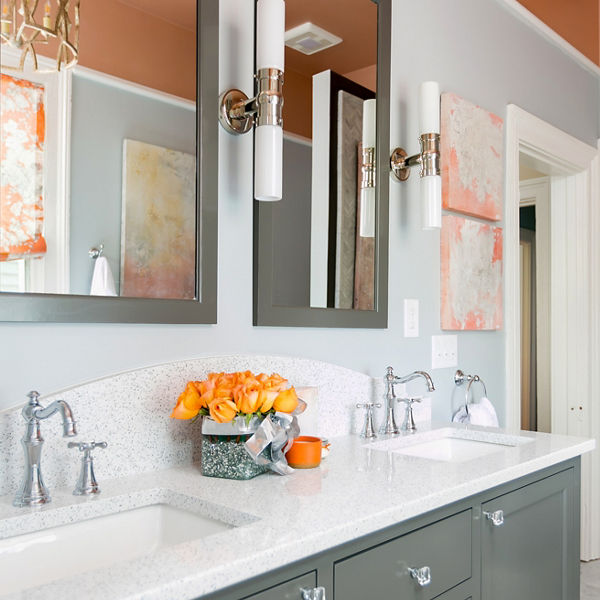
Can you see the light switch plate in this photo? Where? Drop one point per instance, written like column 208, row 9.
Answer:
column 411, row 317
column 444, row 351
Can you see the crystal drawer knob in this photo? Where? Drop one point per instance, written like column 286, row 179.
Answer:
column 317, row 593
column 422, row 575
column 496, row 517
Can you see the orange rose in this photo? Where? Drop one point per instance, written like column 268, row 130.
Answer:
column 246, row 396
column 188, row 404
column 276, row 382
column 266, row 398
column 222, row 411
column 286, row 401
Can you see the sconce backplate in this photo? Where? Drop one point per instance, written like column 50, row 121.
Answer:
column 398, row 164
column 228, row 101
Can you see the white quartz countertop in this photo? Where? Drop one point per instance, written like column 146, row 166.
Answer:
column 357, row 490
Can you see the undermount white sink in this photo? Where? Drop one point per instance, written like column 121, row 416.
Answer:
column 37, row 558
column 450, row 445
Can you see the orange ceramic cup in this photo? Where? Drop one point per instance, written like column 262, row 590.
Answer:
column 305, row 452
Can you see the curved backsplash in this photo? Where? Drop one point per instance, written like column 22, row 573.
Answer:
column 131, row 412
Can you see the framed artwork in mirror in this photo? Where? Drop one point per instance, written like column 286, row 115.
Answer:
column 94, row 193
column 320, row 254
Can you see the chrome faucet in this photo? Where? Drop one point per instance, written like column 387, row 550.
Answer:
column 389, row 426
column 33, row 492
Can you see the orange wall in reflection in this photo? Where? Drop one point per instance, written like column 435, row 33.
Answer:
column 578, row 21
column 120, row 40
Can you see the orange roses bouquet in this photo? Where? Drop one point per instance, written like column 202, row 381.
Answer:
column 224, row 396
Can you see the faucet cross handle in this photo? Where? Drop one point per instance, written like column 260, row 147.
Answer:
column 87, row 484
column 87, row 446
column 368, row 430
column 409, row 421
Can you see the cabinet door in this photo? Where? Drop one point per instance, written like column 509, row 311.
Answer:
column 534, row 553
column 290, row 590
column 382, row 573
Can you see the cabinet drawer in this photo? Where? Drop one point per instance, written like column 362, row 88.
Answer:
column 382, row 572
column 290, row 590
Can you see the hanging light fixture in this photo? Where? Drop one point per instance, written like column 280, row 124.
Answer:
column 238, row 113
column 27, row 25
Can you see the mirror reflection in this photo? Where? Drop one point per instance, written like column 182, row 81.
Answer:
column 98, row 162
column 324, row 227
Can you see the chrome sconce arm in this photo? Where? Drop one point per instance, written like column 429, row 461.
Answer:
column 238, row 113
column 428, row 159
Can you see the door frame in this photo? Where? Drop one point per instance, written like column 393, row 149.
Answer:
column 575, row 289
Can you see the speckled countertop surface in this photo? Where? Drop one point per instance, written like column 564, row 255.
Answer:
column 357, row 490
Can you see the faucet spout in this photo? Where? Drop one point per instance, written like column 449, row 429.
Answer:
column 33, row 491
column 415, row 375
column 60, row 406
column 389, row 426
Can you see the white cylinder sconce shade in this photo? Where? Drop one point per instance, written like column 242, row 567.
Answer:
column 369, row 134
column 429, row 107
column 268, row 138
column 268, row 162
column 367, row 212
column 431, row 185
column 367, row 192
column 270, row 34
column 431, row 202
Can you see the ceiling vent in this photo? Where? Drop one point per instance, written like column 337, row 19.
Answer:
column 308, row 38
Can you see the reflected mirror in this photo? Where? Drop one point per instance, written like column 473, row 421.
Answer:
column 321, row 252
column 102, row 197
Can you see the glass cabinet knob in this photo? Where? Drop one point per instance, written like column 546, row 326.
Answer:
column 496, row 517
column 421, row 575
column 317, row 593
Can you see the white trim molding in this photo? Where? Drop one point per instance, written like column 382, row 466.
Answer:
column 549, row 34
column 574, row 288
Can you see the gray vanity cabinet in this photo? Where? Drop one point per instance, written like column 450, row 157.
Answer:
column 444, row 548
column 528, row 556
column 529, row 551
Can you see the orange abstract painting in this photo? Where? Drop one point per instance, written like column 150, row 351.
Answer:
column 472, row 159
column 158, row 238
column 471, row 272
column 22, row 136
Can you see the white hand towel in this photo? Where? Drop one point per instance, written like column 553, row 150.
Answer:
column 103, row 282
column 461, row 416
column 483, row 413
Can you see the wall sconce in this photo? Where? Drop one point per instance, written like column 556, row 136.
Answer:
column 367, row 170
column 237, row 112
column 428, row 158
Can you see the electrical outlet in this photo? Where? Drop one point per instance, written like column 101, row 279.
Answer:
column 411, row 318
column 444, row 351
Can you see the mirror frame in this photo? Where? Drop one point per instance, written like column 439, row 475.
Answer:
column 265, row 313
column 65, row 308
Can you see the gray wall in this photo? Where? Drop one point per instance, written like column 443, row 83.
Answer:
column 291, row 217
column 474, row 48
column 102, row 117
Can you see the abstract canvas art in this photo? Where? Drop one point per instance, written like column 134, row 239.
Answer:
column 22, row 144
column 471, row 274
column 158, row 228
column 472, row 158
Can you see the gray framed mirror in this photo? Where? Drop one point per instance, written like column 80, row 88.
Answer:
column 136, row 122
column 320, row 256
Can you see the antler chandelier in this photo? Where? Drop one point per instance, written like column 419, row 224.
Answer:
column 26, row 26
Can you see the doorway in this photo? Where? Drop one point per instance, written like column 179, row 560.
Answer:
column 573, row 251
column 535, row 269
